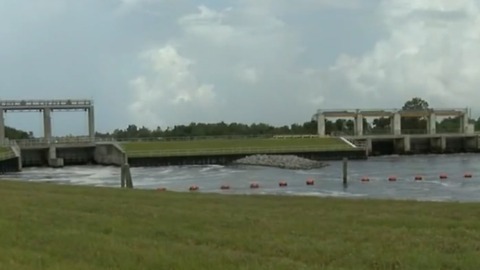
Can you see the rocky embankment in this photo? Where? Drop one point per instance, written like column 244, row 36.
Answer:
column 281, row 161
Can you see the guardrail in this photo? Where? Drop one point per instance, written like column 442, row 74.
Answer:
column 237, row 150
column 51, row 102
column 55, row 140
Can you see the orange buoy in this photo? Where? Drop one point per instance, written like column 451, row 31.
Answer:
column 282, row 184
column 468, row 175
column 224, row 187
column 365, row 179
column 418, row 178
column 162, row 189
column 254, row 185
column 443, row 176
column 310, row 182
column 193, row 188
column 392, row 178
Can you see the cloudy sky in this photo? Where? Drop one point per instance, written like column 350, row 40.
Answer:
column 167, row 62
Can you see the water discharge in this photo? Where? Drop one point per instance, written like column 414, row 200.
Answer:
column 327, row 180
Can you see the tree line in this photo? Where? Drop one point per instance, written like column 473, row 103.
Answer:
column 337, row 127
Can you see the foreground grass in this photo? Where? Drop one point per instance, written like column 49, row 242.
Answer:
column 327, row 143
column 46, row 226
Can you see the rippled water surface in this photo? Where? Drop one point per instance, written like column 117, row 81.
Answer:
column 327, row 180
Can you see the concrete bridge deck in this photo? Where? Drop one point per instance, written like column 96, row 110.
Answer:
column 395, row 116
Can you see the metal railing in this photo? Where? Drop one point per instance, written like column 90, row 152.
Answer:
column 55, row 140
column 51, row 102
column 192, row 138
column 236, row 150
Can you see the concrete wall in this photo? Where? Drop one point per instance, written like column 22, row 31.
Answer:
column 34, row 157
column 109, row 154
column 9, row 165
column 76, row 155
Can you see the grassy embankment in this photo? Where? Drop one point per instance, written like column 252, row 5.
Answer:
column 47, row 226
column 219, row 145
column 4, row 151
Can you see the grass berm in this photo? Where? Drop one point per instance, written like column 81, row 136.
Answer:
column 212, row 144
column 49, row 226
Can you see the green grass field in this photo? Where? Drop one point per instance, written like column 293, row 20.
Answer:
column 257, row 143
column 47, row 226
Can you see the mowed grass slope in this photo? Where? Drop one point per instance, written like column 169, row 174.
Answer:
column 47, row 226
column 268, row 143
column 4, row 151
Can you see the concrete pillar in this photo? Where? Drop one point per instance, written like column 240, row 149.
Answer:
column 321, row 124
column 359, row 125
column 2, row 127
column 443, row 143
column 438, row 144
column 406, row 144
column 91, row 123
column 47, row 124
column 464, row 123
column 402, row 145
column 396, row 124
column 432, row 123
column 369, row 146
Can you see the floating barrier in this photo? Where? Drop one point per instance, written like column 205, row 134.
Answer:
column 310, row 182
column 443, row 176
column 392, row 178
column 467, row 175
column 418, row 178
column 365, row 179
column 254, row 185
column 224, row 187
column 193, row 188
column 282, row 184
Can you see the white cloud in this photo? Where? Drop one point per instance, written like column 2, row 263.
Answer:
column 245, row 56
column 432, row 50
column 169, row 90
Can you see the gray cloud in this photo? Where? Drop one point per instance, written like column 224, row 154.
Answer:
column 163, row 62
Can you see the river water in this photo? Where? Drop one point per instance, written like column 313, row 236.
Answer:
column 328, row 180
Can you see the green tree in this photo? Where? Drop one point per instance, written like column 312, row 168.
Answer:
column 414, row 125
column 16, row 134
column 381, row 125
column 416, row 104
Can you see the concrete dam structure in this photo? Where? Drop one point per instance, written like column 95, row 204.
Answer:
column 61, row 151
column 396, row 142
column 54, row 151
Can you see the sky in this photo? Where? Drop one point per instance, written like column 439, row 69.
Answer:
column 169, row 62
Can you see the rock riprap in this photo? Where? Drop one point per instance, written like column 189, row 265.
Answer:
column 281, row 161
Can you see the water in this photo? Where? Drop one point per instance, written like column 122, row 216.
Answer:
column 328, row 181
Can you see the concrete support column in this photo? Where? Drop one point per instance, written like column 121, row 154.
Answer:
column 464, row 123
column 2, row 127
column 369, row 146
column 47, row 124
column 321, row 124
column 432, row 124
column 91, row 123
column 359, row 125
column 406, row 144
column 396, row 124
column 438, row 144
